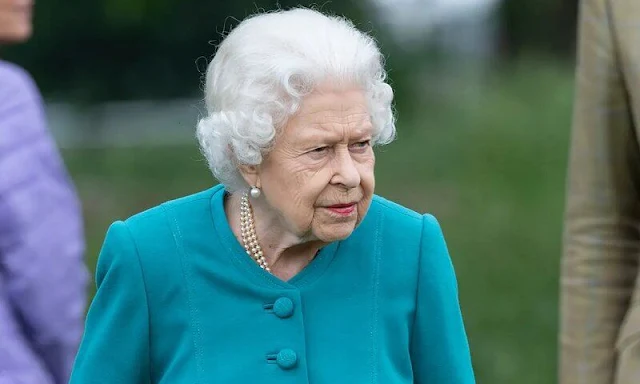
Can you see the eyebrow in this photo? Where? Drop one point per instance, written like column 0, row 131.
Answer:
column 319, row 135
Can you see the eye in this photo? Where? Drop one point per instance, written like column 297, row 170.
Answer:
column 361, row 145
column 318, row 153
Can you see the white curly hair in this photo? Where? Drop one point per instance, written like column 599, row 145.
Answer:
column 263, row 69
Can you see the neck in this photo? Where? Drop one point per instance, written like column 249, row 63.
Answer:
column 286, row 253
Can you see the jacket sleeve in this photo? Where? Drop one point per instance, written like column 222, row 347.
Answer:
column 41, row 229
column 602, row 214
column 115, row 346
column 439, row 347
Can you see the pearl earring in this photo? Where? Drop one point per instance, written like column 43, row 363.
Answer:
column 255, row 192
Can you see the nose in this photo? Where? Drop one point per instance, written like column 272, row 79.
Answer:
column 345, row 171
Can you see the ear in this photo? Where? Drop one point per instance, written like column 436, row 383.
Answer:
column 250, row 174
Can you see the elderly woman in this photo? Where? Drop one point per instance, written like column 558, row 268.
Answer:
column 291, row 270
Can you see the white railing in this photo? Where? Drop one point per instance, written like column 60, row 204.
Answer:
column 122, row 124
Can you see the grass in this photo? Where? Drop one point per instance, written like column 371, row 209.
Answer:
column 489, row 165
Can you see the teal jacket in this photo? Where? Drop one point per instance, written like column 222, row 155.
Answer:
column 179, row 301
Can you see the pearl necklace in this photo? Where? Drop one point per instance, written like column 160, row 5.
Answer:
column 248, row 233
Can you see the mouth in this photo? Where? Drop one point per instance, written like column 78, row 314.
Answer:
column 342, row 209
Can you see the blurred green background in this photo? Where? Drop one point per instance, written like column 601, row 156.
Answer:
column 483, row 135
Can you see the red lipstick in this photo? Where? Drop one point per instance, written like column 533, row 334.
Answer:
column 342, row 209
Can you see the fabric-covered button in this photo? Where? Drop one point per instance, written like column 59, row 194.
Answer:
column 283, row 307
column 287, row 359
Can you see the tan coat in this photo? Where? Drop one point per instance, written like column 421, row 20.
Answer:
column 600, row 293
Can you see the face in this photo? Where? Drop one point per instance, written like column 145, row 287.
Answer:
column 15, row 20
column 319, row 177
